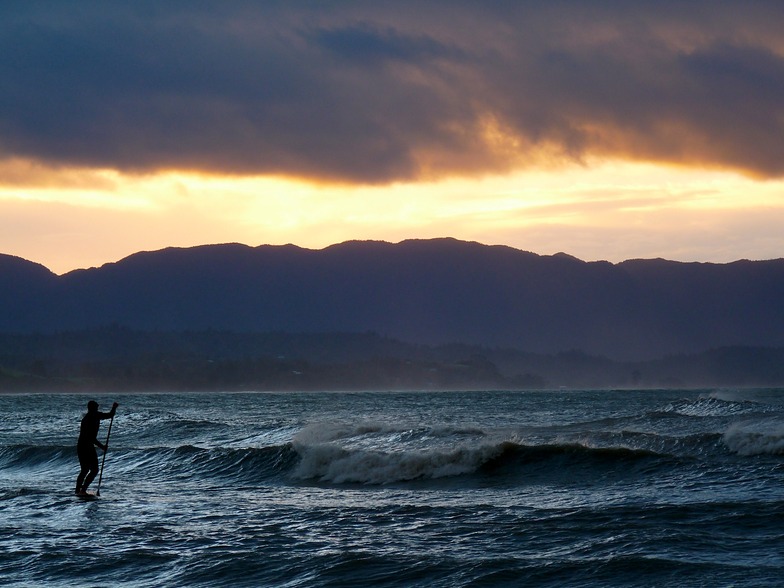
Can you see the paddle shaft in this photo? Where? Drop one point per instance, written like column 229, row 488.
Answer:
column 103, row 461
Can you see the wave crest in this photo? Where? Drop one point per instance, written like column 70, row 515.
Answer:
column 340, row 454
column 711, row 406
column 763, row 437
column 331, row 463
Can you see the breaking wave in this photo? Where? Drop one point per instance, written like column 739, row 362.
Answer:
column 760, row 437
column 334, row 453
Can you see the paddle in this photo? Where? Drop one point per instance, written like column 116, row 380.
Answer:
column 103, row 461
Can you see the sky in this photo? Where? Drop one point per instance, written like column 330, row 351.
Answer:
column 606, row 130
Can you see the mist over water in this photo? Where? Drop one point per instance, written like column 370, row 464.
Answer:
column 552, row 488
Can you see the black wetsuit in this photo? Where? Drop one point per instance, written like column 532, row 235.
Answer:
column 85, row 447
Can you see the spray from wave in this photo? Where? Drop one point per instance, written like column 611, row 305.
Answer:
column 343, row 453
column 761, row 437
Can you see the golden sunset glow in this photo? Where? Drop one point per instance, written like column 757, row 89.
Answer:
column 602, row 210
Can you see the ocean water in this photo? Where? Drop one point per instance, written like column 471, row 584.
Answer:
column 550, row 488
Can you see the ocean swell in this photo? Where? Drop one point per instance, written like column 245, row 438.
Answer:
column 24, row 456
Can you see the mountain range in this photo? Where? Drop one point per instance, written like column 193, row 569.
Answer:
column 420, row 291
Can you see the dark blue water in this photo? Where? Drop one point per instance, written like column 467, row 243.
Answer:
column 564, row 488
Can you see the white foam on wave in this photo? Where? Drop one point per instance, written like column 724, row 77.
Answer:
column 334, row 431
column 710, row 406
column 374, row 454
column 756, row 438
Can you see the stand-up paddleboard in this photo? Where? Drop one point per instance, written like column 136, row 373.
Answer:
column 87, row 496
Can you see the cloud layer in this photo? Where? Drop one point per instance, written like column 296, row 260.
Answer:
column 381, row 92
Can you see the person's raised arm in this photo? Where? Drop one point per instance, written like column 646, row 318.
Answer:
column 110, row 414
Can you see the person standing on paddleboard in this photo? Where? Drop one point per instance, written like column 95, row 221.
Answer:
column 88, row 440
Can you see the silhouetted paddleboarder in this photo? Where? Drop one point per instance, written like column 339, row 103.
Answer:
column 88, row 440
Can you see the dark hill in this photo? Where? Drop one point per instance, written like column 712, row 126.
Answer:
column 430, row 291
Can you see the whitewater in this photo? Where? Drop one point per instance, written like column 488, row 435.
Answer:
column 487, row 488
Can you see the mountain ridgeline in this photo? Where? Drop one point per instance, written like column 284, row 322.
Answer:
column 420, row 291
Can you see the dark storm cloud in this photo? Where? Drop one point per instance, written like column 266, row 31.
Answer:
column 376, row 92
column 369, row 46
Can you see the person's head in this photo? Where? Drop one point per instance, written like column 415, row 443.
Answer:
column 92, row 406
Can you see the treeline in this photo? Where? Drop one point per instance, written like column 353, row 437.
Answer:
column 199, row 374
column 120, row 359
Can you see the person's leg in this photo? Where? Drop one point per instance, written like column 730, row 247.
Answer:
column 80, row 479
column 93, row 471
column 84, row 464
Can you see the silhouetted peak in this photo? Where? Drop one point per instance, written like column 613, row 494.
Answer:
column 10, row 264
column 561, row 256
